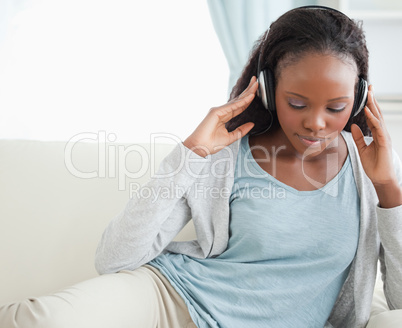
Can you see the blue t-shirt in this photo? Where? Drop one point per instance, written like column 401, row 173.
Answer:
column 288, row 255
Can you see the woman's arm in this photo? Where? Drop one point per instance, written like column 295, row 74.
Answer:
column 377, row 157
column 152, row 217
column 383, row 167
column 390, row 232
column 148, row 224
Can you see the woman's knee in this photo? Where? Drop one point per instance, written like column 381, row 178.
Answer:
column 103, row 301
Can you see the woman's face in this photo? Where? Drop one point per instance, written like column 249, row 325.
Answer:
column 314, row 99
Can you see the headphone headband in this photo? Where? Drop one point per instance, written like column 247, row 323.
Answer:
column 320, row 7
column 294, row 9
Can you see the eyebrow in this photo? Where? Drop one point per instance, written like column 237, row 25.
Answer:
column 333, row 99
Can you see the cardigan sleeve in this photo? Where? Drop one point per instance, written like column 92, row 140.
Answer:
column 390, row 232
column 153, row 217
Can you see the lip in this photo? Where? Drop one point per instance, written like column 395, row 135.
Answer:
column 311, row 141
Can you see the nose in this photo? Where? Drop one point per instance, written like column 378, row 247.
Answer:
column 314, row 121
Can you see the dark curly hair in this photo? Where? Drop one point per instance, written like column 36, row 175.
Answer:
column 295, row 33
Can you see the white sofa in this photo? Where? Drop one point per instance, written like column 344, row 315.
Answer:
column 56, row 199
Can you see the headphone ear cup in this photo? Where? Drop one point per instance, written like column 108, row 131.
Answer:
column 262, row 90
column 266, row 89
column 360, row 98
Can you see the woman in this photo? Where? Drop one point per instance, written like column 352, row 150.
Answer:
column 322, row 233
column 292, row 210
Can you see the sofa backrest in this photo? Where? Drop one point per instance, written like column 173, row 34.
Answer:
column 56, row 198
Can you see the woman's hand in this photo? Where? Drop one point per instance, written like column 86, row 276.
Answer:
column 376, row 158
column 211, row 135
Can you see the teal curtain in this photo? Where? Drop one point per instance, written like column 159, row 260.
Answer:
column 239, row 23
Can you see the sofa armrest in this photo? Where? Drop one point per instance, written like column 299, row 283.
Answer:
column 388, row 319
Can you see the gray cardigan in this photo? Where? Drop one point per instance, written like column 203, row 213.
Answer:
column 188, row 186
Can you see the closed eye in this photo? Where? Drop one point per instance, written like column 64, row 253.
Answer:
column 336, row 110
column 296, row 104
column 337, row 107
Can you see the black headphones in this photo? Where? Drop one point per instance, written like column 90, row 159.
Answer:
column 266, row 80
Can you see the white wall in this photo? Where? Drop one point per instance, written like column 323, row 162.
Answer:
column 131, row 69
column 125, row 67
column 383, row 40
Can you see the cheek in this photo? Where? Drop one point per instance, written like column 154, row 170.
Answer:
column 287, row 117
column 340, row 121
column 288, row 121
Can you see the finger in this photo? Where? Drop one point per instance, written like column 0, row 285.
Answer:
column 358, row 137
column 252, row 88
column 372, row 104
column 376, row 127
column 252, row 80
column 368, row 120
column 240, row 132
column 374, row 101
column 378, row 107
column 230, row 110
column 242, row 103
